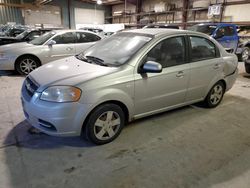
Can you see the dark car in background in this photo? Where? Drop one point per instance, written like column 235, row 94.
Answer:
column 25, row 36
column 12, row 30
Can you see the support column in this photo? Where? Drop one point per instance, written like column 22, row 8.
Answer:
column 138, row 10
column 185, row 13
column 69, row 13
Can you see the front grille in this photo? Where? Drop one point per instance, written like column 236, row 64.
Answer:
column 30, row 86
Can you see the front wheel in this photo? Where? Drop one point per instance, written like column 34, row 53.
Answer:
column 105, row 124
column 247, row 67
column 26, row 64
column 215, row 95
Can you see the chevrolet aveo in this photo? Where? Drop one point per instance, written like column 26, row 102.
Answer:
column 130, row 75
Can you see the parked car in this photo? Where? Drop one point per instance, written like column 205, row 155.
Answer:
column 25, row 36
column 13, row 31
column 127, row 76
column 229, row 36
column 24, row 57
column 161, row 26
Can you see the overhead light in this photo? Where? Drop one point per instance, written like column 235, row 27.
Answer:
column 99, row 2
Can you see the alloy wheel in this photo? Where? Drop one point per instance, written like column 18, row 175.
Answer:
column 216, row 95
column 27, row 65
column 245, row 55
column 107, row 125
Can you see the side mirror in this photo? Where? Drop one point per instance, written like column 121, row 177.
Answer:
column 51, row 43
column 151, row 67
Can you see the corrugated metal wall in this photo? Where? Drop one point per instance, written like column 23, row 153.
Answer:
column 10, row 14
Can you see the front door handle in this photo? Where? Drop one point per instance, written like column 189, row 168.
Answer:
column 180, row 74
column 69, row 48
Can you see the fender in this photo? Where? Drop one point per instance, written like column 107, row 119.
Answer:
column 112, row 94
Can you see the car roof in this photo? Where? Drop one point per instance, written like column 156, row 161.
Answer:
column 71, row 30
column 156, row 31
column 169, row 26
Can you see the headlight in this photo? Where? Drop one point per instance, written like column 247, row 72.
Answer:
column 61, row 94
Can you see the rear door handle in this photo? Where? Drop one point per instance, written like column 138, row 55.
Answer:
column 69, row 48
column 180, row 74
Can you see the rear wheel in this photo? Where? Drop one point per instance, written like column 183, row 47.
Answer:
column 215, row 95
column 26, row 64
column 105, row 124
column 247, row 67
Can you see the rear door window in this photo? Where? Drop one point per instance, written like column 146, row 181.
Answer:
column 66, row 38
column 82, row 37
column 202, row 49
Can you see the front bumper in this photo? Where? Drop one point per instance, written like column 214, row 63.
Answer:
column 56, row 119
column 7, row 63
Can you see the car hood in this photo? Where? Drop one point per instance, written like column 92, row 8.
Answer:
column 68, row 71
column 20, row 45
column 5, row 41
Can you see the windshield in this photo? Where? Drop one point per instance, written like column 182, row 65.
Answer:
column 43, row 38
column 22, row 35
column 207, row 29
column 116, row 50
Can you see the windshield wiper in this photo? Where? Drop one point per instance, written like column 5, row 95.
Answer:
column 96, row 60
column 82, row 58
column 91, row 59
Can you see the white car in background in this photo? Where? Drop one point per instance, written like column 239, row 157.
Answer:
column 25, row 57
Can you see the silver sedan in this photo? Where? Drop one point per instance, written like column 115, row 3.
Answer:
column 25, row 57
column 130, row 75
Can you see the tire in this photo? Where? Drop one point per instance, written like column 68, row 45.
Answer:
column 26, row 64
column 104, row 124
column 247, row 67
column 244, row 56
column 215, row 95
